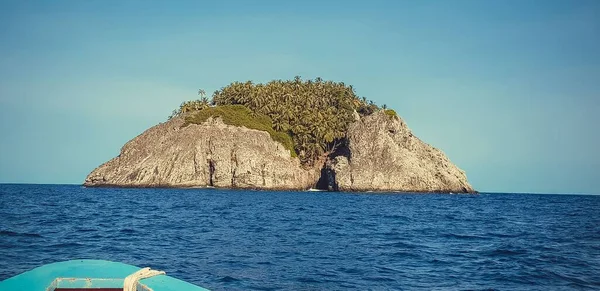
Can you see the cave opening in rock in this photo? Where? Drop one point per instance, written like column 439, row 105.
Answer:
column 327, row 180
column 323, row 183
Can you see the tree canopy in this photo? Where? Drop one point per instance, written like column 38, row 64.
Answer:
column 314, row 113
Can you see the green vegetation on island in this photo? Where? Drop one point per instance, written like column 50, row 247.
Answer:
column 391, row 113
column 309, row 117
column 239, row 115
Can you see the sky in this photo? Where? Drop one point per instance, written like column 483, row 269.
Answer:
column 509, row 90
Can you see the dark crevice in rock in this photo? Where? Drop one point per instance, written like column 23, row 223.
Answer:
column 211, row 164
column 233, row 178
column 134, row 175
column 195, row 164
column 234, row 167
column 211, row 172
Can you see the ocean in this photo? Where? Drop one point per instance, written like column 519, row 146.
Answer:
column 266, row 240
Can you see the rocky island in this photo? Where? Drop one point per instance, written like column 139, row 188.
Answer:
column 284, row 135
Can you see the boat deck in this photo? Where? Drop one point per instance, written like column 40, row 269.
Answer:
column 90, row 275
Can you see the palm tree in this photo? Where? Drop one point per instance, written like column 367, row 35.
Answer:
column 201, row 92
column 316, row 113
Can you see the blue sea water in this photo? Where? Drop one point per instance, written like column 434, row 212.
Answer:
column 261, row 240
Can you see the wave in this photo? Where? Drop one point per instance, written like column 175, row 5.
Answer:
column 308, row 280
column 21, row 234
column 506, row 252
column 464, row 236
column 402, row 245
column 127, row 230
column 228, row 279
column 65, row 245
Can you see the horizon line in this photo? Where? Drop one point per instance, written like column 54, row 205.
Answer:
column 479, row 192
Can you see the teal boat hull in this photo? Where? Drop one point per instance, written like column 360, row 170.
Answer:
column 89, row 274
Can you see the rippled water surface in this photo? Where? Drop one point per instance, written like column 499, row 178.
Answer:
column 231, row 240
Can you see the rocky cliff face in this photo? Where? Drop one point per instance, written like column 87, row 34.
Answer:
column 210, row 154
column 384, row 155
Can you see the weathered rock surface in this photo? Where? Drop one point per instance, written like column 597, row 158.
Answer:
column 384, row 155
column 210, row 154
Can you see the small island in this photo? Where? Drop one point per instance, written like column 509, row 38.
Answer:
column 283, row 135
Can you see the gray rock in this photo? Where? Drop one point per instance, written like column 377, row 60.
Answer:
column 210, row 154
column 384, row 155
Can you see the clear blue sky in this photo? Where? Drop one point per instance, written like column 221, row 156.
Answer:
column 509, row 90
